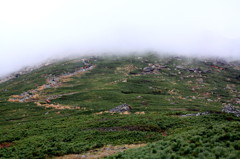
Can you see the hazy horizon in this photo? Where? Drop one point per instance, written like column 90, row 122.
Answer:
column 34, row 31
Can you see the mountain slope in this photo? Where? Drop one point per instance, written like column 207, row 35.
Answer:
column 62, row 108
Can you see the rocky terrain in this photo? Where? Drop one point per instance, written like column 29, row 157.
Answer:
column 25, row 70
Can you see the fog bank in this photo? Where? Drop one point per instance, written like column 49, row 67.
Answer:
column 34, row 31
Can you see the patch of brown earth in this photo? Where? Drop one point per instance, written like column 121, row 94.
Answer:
column 139, row 113
column 13, row 100
column 36, row 97
column 16, row 96
column 6, row 144
column 207, row 95
column 164, row 133
column 66, row 78
column 101, row 152
column 125, row 69
column 40, row 88
column 125, row 113
column 58, row 106
column 181, row 97
column 173, row 92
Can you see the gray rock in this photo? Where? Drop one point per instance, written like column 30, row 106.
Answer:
column 231, row 110
column 163, row 67
column 47, row 86
column 24, row 94
column 206, row 71
column 196, row 70
column 120, row 109
column 180, row 67
column 148, row 69
column 197, row 114
column 199, row 80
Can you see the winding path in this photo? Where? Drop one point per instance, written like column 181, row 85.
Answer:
column 36, row 95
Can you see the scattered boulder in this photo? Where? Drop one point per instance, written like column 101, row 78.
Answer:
column 230, row 86
column 236, row 100
column 221, row 62
column 125, row 80
column 180, row 67
column 48, row 101
column 196, row 114
column 230, row 109
column 206, row 71
column 139, row 97
column 152, row 69
column 195, row 70
column 148, row 69
column 199, row 80
column 121, row 108
column 209, row 100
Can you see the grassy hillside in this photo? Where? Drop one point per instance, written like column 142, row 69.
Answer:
column 69, row 117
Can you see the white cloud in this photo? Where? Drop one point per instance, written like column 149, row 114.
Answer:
column 32, row 31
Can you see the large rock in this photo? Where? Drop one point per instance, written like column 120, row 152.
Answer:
column 231, row 110
column 121, row 108
column 148, row 69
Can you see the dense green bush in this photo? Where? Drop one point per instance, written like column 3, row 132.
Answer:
column 215, row 141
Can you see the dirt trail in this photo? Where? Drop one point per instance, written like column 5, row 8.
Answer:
column 37, row 96
column 101, row 152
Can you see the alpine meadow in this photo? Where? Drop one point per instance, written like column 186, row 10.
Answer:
column 135, row 106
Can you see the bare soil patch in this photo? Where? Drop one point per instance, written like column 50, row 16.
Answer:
column 101, row 152
column 6, row 144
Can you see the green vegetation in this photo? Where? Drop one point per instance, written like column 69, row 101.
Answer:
column 212, row 141
column 31, row 131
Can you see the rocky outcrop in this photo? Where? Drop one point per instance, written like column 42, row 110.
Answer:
column 35, row 95
column 195, row 70
column 152, row 69
column 24, row 71
column 121, row 108
column 230, row 109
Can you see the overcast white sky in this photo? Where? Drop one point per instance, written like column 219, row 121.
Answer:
column 34, row 30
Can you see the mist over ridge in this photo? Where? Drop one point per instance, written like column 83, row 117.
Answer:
column 33, row 32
